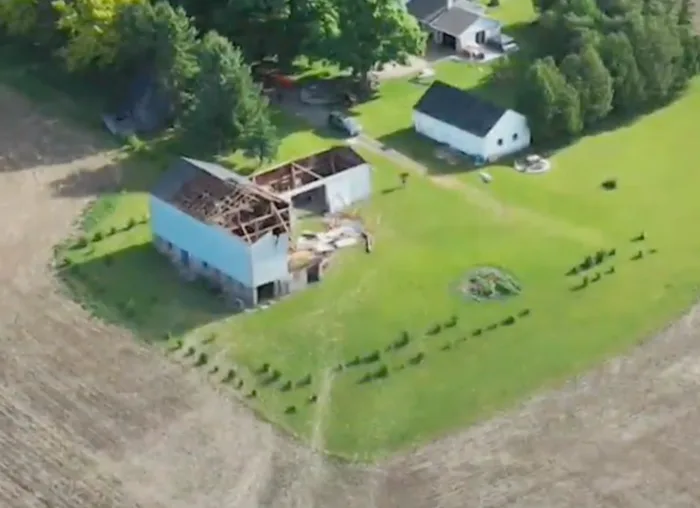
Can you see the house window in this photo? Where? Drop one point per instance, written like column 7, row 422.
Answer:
column 515, row 137
column 500, row 142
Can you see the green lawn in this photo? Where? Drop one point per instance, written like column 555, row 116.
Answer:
column 427, row 237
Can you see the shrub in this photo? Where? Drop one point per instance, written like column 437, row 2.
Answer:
column 338, row 367
column 612, row 252
column 596, row 277
column 494, row 3
column 491, row 327
column 587, row 263
column 400, row 367
column 129, row 224
column 365, row 379
column 252, row 394
column 97, row 237
column 572, row 271
column 381, row 373
column 509, row 321
column 177, row 345
column 371, row 358
column 637, row 256
column 609, row 184
column 599, row 257
column 264, row 369
column 272, row 378
column 239, row 384
column 305, row 381
column 312, row 399
column 452, row 322
column 354, row 362
column 476, row 332
column 610, row 270
column 63, row 263
column 446, row 347
column 79, row 243
column 652, row 251
column 434, row 330
column 214, row 369
column 111, row 231
column 190, row 352
column 524, row 313
column 640, row 237
column 286, row 386
column 415, row 360
column 230, row 376
column 402, row 341
column 202, row 360
column 290, row 410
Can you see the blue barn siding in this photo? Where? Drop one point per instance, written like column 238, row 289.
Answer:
column 270, row 259
column 209, row 244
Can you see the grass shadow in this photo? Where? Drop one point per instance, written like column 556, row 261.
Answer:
column 137, row 288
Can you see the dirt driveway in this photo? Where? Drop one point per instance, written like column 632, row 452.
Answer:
column 89, row 418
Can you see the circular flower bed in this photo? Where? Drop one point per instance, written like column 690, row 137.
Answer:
column 488, row 283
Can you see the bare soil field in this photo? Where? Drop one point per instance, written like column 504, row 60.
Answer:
column 91, row 418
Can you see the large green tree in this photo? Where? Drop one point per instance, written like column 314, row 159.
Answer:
column 162, row 38
column 551, row 104
column 371, row 33
column 586, row 72
column 228, row 109
column 618, row 56
column 91, row 27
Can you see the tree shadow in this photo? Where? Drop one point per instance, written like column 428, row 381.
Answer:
column 136, row 287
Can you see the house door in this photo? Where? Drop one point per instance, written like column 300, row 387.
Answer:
column 480, row 37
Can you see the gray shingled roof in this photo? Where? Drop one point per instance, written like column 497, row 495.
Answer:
column 454, row 21
column 426, row 10
column 459, row 108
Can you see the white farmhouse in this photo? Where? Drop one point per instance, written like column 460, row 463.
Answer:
column 469, row 124
column 459, row 25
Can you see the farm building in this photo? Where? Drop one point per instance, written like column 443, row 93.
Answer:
column 459, row 24
column 469, row 124
column 237, row 232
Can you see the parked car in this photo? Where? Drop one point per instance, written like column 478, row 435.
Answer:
column 342, row 122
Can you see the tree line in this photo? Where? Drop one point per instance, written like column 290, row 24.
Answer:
column 202, row 50
column 606, row 58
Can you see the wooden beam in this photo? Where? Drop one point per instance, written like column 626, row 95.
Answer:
column 280, row 218
column 306, row 170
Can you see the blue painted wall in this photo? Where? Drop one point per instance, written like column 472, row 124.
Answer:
column 270, row 259
column 210, row 244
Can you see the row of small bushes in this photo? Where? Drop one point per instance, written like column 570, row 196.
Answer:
column 599, row 257
column 84, row 241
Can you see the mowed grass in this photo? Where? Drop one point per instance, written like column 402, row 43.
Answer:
column 427, row 237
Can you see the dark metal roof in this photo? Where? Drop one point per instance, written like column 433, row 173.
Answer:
column 454, row 21
column 426, row 10
column 459, row 108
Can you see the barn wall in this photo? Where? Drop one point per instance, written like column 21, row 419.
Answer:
column 447, row 134
column 510, row 125
column 349, row 187
column 204, row 243
column 269, row 258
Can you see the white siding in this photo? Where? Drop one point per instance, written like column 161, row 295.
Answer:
column 342, row 189
column 513, row 132
column 468, row 37
column 448, row 134
column 348, row 187
column 269, row 259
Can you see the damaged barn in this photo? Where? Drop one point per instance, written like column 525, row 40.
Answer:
column 237, row 232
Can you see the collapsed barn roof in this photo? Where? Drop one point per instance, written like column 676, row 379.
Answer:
column 216, row 196
column 288, row 177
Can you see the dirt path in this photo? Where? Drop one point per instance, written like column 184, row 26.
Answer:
column 91, row 419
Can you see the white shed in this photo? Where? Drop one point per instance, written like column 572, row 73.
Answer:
column 469, row 124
